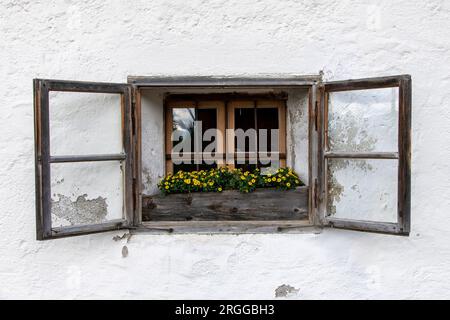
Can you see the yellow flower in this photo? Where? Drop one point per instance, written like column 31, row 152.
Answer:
column 187, row 181
column 242, row 178
column 253, row 180
column 249, row 183
column 246, row 173
column 211, row 183
column 167, row 187
column 296, row 181
column 219, row 189
column 274, row 179
column 278, row 180
column 288, row 184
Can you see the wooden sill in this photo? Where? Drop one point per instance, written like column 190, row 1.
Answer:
column 225, row 227
column 266, row 204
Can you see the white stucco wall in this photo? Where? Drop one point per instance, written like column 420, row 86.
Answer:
column 106, row 41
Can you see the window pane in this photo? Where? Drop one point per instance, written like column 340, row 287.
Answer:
column 244, row 118
column 183, row 124
column 85, row 123
column 362, row 189
column 363, row 120
column 208, row 118
column 267, row 118
column 86, row 193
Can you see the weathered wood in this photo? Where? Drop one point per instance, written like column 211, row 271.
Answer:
column 366, row 83
column 262, row 204
column 88, row 158
column 226, row 227
column 226, row 96
column 362, row 155
column 82, row 86
column 372, row 226
column 137, row 159
column 42, row 87
column 403, row 82
column 404, row 169
column 111, row 225
column 313, row 155
column 224, row 82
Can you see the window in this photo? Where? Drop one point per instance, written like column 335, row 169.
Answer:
column 182, row 119
column 354, row 145
column 259, row 126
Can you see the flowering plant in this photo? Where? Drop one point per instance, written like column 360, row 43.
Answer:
column 217, row 180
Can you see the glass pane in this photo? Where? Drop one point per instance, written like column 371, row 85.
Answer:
column 362, row 189
column 244, row 118
column 267, row 118
column 183, row 124
column 86, row 193
column 363, row 120
column 85, row 123
column 208, row 118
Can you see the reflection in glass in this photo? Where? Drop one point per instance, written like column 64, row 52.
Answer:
column 183, row 124
column 83, row 123
column 86, row 192
column 363, row 120
column 362, row 189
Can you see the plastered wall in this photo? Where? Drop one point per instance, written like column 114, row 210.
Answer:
column 106, row 41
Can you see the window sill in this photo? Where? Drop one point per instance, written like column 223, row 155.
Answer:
column 226, row 227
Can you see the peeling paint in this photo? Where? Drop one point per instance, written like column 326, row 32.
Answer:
column 298, row 132
column 80, row 211
column 124, row 251
column 126, row 236
column 146, row 177
column 285, row 290
column 345, row 134
column 335, row 188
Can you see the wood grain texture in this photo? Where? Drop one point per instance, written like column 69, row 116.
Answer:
column 260, row 205
column 43, row 158
column 225, row 227
column 224, row 81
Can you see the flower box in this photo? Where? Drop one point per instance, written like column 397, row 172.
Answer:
column 230, row 205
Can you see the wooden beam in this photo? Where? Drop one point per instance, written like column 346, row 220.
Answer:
column 88, row 158
column 365, row 83
column 362, row 155
column 224, row 82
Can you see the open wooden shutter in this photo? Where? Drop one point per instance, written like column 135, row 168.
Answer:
column 365, row 154
column 70, row 179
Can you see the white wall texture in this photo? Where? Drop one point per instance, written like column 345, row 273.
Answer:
column 108, row 40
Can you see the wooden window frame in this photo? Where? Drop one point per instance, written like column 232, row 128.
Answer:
column 225, row 120
column 403, row 154
column 256, row 103
column 171, row 104
column 131, row 98
column 44, row 159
